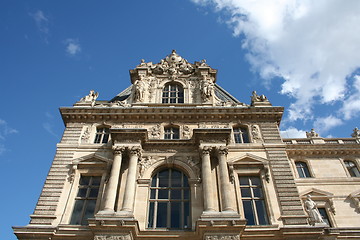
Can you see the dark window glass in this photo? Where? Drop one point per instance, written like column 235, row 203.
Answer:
column 241, row 135
column 85, row 201
column 324, row 216
column 302, row 170
column 171, row 133
column 102, row 135
column 253, row 201
column 173, row 93
column 169, row 200
column 352, row 168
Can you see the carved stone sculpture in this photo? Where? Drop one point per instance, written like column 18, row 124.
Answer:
column 86, row 135
column 186, row 132
column 258, row 98
column 255, row 132
column 312, row 134
column 91, row 97
column 356, row 133
column 155, row 131
column 207, row 90
column 139, row 90
column 312, row 211
column 222, row 237
column 108, row 237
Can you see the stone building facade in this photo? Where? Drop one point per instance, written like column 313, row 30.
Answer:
column 174, row 156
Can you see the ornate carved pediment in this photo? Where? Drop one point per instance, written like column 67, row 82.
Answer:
column 91, row 159
column 321, row 197
column 249, row 158
column 355, row 198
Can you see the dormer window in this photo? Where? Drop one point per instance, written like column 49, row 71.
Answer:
column 102, row 135
column 173, row 93
column 171, row 132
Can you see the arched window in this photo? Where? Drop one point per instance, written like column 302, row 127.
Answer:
column 302, row 169
column 102, row 135
column 352, row 168
column 241, row 135
column 173, row 93
column 171, row 132
column 169, row 203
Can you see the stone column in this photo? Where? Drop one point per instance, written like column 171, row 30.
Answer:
column 112, row 185
column 209, row 204
column 224, row 179
column 129, row 195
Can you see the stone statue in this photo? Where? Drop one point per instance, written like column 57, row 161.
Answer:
column 312, row 134
column 207, row 88
column 139, row 92
column 313, row 211
column 255, row 132
column 155, row 131
column 91, row 97
column 356, row 133
column 256, row 98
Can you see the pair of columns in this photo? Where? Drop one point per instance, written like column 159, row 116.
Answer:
column 208, row 187
column 112, row 185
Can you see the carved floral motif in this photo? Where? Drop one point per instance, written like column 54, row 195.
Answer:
column 223, row 237
column 110, row 237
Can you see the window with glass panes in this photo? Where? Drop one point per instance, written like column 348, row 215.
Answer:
column 171, row 132
column 173, row 93
column 169, row 204
column 253, row 200
column 352, row 168
column 241, row 135
column 85, row 201
column 324, row 216
column 102, row 135
column 302, row 169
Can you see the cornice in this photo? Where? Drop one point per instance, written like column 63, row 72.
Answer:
column 171, row 113
column 322, row 149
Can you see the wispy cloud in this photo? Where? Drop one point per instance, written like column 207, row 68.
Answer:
column 72, row 46
column 42, row 23
column 48, row 126
column 311, row 45
column 5, row 131
column 324, row 124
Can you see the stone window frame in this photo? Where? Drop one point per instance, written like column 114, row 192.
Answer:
column 89, row 165
column 306, row 166
column 172, row 126
column 244, row 126
column 105, row 126
column 356, row 161
column 165, row 83
column 194, row 180
column 257, row 166
column 307, row 162
column 322, row 199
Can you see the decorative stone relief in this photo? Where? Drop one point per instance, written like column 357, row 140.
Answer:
column 155, row 131
column 72, row 171
column 186, row 132
column 86, row 135
column 90, row 98
column 139, row 89
column 312, row 134
column 112, row 237
column 223, row 237
column 207, row 89
column 255, row 132
column 356, row 133
column 144, row 164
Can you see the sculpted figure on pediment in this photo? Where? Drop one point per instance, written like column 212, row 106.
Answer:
column 313, row 211
column 91, row 97
column 356, row 133
column 258, row 98
column 207, row 88
column 139, row 92
column 312, row 134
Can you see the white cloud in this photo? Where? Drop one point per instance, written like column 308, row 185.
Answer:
column 42, row 23
column 292, row 132
column 5, row 131
column 351, row 105
column 72, row 46
column 322, row 125
column 312, row 45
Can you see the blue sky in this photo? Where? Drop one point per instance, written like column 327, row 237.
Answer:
column 301, row 55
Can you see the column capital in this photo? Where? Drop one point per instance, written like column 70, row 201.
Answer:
column 206, row 150
column 135, row 150
column 118, row 150
column 222, row 150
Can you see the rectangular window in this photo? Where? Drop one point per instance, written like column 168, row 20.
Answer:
column 324, row 216
column 85, row 201
column 102, row 135
column 253, row 200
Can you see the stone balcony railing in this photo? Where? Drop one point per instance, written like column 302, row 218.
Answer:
column 321, row 141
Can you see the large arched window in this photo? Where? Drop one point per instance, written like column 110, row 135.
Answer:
column 169, row 202
column 302, row 169
column 173, row 93
column 241, row 135
column 352, row 168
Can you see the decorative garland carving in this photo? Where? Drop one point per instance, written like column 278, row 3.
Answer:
column 223, row 237
column 111, row 237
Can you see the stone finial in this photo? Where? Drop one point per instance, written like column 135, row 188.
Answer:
column 356, row 133
column 312, row 134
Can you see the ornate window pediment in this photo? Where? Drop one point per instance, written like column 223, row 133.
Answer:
column 322, row 198
column 355, row 198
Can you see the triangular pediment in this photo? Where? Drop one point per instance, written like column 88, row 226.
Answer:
column 316, row 193
column 355, row 194
column 92, row 159
column 249, row 158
